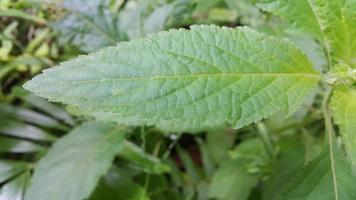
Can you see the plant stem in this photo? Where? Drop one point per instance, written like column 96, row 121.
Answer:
column 263, row 133
column 330, row 137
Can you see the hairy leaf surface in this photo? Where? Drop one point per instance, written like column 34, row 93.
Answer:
column 204, row 77
column 344, row 108
column 73, row 166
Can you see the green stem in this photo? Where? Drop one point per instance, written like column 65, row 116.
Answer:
column 330, row 137
column 264, row 135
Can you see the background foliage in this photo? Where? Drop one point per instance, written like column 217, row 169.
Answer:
column 61, row 148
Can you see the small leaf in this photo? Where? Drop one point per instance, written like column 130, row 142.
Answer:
column 205, row 77
column 318, row 180
column 75, row 163
column 156, row 20
column 343, row 105
column 148, row 163
column 231, row 181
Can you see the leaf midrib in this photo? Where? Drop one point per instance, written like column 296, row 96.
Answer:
column 221, row 75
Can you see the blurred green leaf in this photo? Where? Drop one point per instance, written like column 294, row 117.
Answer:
column 15, row 189
column 136, row 155
column 9, row 168
column 156, row 20
column 218, row 143
column 232, row 181
column 118, row 185
column 283, row 169
column 21, row 14
column 318, row 180
column 84, row 155
column 11, row 145
column 22, row 130
column 89, row 25
column 26, row 115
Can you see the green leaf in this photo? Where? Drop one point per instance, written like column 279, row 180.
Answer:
column 10, row 168
column 22, row 130
column 300, row 14
column 331, row 21
column 18, row 146
column 343, row 105
column 89, row 25
column 218, row 142
column 288, row 162
column 316, row 180
column 74, row 165
column 15, row 189
column 231, row 181
column 30, row 116
column 118, row 185
column 156, row 20
column 148, row 163
column 338, row 20
column 205, row 77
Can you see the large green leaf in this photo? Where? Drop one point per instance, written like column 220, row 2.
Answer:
column 74, row 165
column 318, row 180
column 204, row 77
column 344, row 108
column 332, row 21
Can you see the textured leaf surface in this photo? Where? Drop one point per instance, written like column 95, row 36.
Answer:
column 300, row 15
column 73, row 166
column 344, row 109
column 332, row 21
column 316, row 181
column 207, row 76
column 338, row 20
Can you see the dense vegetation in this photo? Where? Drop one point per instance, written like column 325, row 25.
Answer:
column 239, row 100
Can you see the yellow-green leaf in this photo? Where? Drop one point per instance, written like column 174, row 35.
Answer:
column 344, row 109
